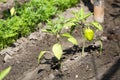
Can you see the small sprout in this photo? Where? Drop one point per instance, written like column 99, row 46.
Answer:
column 40, row 55
column 12, row 11
column 57, row 50
column 5, row 73
column 81, row 16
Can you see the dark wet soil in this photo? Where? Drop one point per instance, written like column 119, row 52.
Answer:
column 93, row 66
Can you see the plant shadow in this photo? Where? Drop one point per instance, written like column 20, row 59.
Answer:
column 88, row 4
column 54, row 63
column 89, row 49
column 76, row 49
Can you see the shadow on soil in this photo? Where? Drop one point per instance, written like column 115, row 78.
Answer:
column 55, row 64
column 88, row 4
column 88, row 49
column 116, row 5
column 76, row 49
column 112, row 70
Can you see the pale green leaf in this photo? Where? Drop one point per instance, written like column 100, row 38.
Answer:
column 97, row 25
column 47, row 30
column 67, row 35
column 73, row 40
column 69, row 24
column 87, row 15
column 70, row 38
column 4, row 73
column 12, row 11
column 57, row 50
column 74, row 20
column 40, row 56
column 76, row 17
column 81, row 13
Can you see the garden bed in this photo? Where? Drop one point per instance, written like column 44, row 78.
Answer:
column 22, row 56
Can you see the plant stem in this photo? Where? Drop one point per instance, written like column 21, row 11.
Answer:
column 58, row 37
column 83, row 47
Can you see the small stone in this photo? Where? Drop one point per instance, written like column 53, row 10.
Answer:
column 16, row 49
column 33, row 36
column 64, row 68
column 51, row 76
column 48, row 56
column 7, row 57
column 76, row 76
column 18, row 62
column 103, row 38
column 97, row 43
column 87, row 68
column 21, row 41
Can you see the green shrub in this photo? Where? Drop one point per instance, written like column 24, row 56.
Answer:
column 25, row 18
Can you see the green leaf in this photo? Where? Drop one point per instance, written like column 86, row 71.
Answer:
column 81, row 13
column 40, row 56
column 67, row 35
column 4, row 73
column 70, row 38
column 10, row 35
column 12, row 11
column 57, row 50
column 97, row 25
column 73, row 40
column 69, row 24
column 87, row 15
column 47, row 30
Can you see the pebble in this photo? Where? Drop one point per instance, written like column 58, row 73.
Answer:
column 7, row 57
column 64, row 68
column 51, row 76
column 103, row 38
column 97, row 43
column 76, row 76
column 33, row 36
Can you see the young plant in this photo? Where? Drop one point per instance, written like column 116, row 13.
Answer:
column 4, row 73
column 87, row 27
column 79, row 20
column 56, row 28
column 12, row 11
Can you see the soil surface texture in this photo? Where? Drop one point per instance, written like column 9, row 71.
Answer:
column 23, row 54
